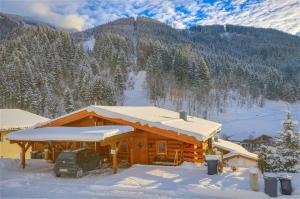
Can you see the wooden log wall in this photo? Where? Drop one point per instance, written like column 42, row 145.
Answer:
column 193, row 153
column 124, row 151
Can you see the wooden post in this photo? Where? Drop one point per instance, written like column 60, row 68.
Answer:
column 131, row 151
column 23, row 161
column 24, row 148
column 176, row 158
column 115, row 159
column 46, row 151
column 115, row 162
column 53, row 153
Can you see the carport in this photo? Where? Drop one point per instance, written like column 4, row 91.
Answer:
column 64, row 138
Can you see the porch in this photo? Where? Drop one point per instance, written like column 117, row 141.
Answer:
column 114, row 143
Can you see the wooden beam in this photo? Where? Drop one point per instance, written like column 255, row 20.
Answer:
column 61, row 146
column 195, row 153
column 115, row 158
column 20, row 144
column 27, row 146
column 23, row 161
column 112, row 140
column 53, row 153
column 131, row 145
column 69, row 145
column 68, row 119
column 24, row 147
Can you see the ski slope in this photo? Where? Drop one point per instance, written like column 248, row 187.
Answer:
column 241, row 122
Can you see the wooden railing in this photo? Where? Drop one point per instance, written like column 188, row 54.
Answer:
column 178, row 157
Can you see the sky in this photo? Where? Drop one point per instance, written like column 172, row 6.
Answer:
column 283, row 15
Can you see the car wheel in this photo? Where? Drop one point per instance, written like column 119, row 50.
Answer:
column 79, row 173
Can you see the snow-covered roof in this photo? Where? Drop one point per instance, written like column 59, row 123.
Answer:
column 156, row 117
column 234, row 149
column 18, row 119
column 91, row 134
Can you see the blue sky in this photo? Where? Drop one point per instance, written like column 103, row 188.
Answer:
column 283, row 15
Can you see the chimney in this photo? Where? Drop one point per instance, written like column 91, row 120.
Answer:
column 183, row 115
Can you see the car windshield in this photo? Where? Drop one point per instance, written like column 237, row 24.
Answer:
column 67, row 156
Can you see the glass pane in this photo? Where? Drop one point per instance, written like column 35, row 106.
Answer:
column 162, row 148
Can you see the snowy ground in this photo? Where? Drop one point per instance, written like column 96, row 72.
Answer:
column 135, row 94
column 242, row 121
column 89, row 44
column 236, row 120
column 139, row 181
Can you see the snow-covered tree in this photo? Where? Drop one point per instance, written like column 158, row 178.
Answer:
column 285, row 153
column 119, row 81
column 203, row 70
column 288, row 145
column 68, row 102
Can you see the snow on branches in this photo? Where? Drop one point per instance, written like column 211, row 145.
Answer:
column 286, row 151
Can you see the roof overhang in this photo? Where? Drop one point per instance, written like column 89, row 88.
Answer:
column 164, row 126
column 240, row 155
column 77, row 134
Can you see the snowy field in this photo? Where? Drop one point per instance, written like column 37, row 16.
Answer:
column 242, row 121
column 236, row 120
column 139, row 181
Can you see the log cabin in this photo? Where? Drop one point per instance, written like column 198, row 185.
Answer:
column 158, row 136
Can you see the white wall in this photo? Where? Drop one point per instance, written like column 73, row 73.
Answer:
column 241, row 162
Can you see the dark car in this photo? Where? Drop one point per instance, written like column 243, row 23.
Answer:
column 76, row 163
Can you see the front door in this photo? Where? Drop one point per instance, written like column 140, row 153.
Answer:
column 140, row 155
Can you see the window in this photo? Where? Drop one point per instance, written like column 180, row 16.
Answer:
column 1, row 137
column 161, row 147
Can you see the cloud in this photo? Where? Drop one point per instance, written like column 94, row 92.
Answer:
column 83, row 14
column 277, row 14
column 58, row 13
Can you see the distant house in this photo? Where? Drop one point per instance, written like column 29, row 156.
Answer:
column 254, row 145
column 234, row 154
column 13, row 120
column 158, row 136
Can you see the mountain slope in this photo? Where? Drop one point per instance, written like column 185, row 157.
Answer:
column 51, row 72
column 263, row 62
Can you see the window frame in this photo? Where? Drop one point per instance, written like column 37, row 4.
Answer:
column 157, row 147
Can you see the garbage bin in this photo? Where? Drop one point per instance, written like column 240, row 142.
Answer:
column 253, row 176
column 212, row 164
column 271, row 185
column 286, row 185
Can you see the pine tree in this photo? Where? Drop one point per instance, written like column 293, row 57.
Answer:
column 286, row 151
column 119, row 81
column 203, row 70
column 102, row 93
column 68, row 101
column 288, row 145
